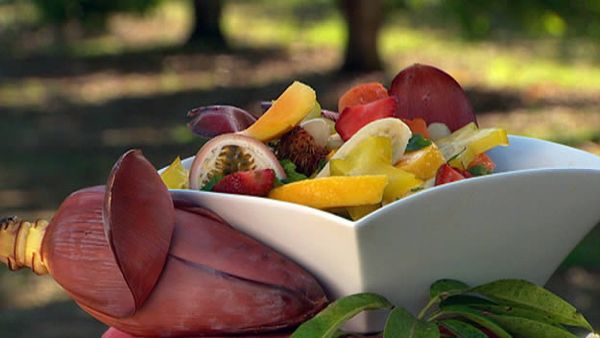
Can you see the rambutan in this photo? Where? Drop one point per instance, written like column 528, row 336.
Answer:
column 300, row 147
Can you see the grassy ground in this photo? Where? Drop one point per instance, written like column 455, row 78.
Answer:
column 69, row 110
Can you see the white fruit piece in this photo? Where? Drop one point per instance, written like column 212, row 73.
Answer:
column 438, row 130
column 318, row 129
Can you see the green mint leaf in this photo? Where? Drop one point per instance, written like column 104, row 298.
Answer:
column 326, row 323
column 212, row 182
column 461, row 329
column 290, row 171
column 529, row 295
column 402, row 324
column 479, row 170
column 322, row 163
column 480, row 318
column 416, row 142
column 524, row 327
column 447, row 287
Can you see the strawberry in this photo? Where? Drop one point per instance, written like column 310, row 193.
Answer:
column 482, row 164
column 447, row 174
column 355, row 117
column 252, row 182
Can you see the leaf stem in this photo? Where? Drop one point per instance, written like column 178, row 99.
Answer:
column 431, row 303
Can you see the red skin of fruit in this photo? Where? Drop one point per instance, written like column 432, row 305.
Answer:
column 447, row 174
column 252, row 182
column 433, row 95
column 355, row 117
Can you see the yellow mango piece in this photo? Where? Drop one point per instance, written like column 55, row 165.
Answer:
column 175, row 176
column 291, row 107
column 361, row 211
column 423, row 163
column 333, row 191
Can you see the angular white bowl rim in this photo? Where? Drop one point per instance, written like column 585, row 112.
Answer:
column 520, row 222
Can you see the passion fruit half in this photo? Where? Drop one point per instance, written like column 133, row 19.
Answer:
column 230, row 153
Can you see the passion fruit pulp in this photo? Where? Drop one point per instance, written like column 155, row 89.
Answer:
column 230, row 153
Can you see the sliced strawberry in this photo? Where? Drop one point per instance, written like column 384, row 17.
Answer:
column 361, row 94
column 447, row 174
column 482, row 164
column 355, row 117
column 252, row 182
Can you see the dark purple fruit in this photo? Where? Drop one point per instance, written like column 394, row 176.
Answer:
column 429, row 93
column 211, row 121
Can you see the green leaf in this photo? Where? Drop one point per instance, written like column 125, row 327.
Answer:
column 416, row 142
column 212, row 182
column 479, row 170
column 402, row 324
column 527, row 328
column 290, row 171
column 462, row 330
column 326, row 323
column 517, row 311
column 446, row 287
column 468, row 300
column 529, row 295
column 475, row 316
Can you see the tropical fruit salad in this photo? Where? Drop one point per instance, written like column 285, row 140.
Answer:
column 382, row 145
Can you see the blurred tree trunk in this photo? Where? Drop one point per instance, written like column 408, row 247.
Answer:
column 363, row 20
column 207, row 25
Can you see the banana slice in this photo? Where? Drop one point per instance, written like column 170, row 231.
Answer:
column 390, row 127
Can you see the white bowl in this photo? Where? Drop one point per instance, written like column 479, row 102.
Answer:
column 518, row 223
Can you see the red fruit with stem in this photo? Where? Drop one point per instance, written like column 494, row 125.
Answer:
column 431, row 94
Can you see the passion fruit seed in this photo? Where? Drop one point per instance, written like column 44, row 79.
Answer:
column 230, row 153
column 232, row 159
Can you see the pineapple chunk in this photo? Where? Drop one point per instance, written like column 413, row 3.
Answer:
column 423, row 163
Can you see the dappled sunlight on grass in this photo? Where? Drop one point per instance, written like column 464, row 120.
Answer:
column 561, row 124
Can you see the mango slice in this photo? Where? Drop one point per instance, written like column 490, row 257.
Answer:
column 333, row 191
column 373, row 156
column 361, row 211
column 291, row 107
column 423, row 163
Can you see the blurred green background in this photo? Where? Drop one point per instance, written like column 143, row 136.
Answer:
column 82, row 81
